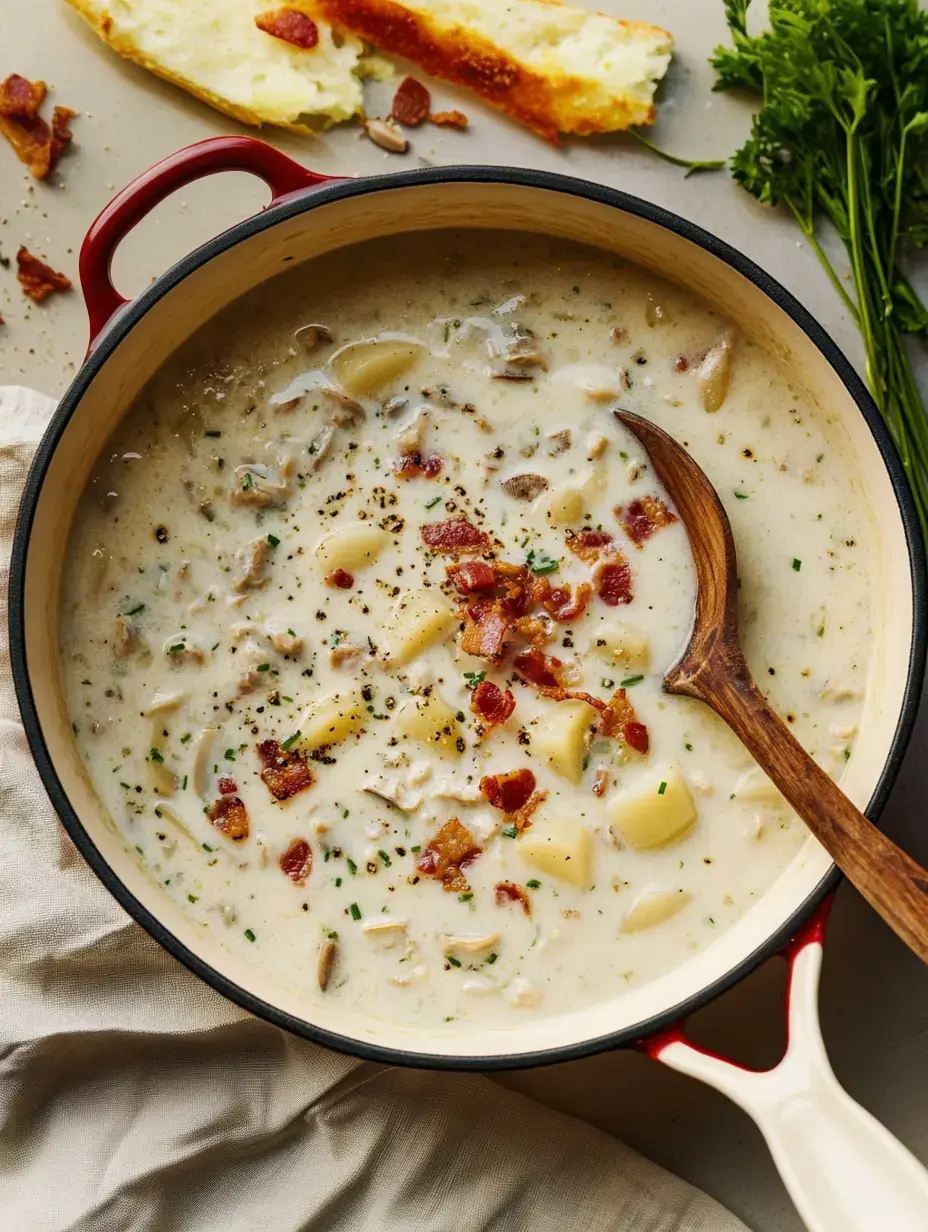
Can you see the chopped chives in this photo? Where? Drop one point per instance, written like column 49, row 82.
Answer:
column 249, row 934
column 662, row 789
column 631, row 680
column 355, row 911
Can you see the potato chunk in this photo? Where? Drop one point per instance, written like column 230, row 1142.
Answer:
column 429, row 720
column 330, row 720
column 420, row 620
column 561, row 734
column 559, row 847
column 654, row 907
column 659, row 812
column 625, row 644
column 351, row 547
column 563, row 506
column 756, row 788
column 362, row 368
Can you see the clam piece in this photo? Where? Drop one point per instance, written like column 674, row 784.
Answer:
column 363, row 368
column 470, row 944
column 714, row 376
column 458, row 789
column 320, row 445
column 560, row 441
column 254, row 486
column 387, row 135
column 345, row 412
column 181, row 648
column 283, row 641
column 202, row 759
column 312, row 336
column 393, row 792
column 252, row 561
column 165, row 812
column 161, row 703
column 126, row 637
column 385, row 930
column 522, row 993
column 525, row 487
column 395, row 406
column 325, row 963
column 523, row 352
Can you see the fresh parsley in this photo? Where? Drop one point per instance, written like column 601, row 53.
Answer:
column 472, row 679
column 541, row 562
column 842, row 136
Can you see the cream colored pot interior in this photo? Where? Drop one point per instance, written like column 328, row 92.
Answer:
column 182, row 310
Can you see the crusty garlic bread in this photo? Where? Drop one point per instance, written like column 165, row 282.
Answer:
column 555, row 68
column 214, row 50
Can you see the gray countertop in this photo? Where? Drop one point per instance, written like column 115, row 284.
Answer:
column 875, row 994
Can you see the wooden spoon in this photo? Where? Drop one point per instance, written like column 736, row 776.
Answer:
column 713, row 669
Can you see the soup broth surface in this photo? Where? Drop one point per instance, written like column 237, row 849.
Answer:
column 359, row 498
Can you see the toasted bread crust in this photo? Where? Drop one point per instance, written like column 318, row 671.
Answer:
column 548, row 104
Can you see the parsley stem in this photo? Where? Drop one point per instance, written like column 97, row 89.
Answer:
column 692, row 165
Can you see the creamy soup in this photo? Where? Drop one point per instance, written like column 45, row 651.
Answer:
column 367, row 610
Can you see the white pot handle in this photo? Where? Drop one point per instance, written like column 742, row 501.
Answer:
column 844, row 1171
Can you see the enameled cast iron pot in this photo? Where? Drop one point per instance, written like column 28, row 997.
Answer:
column 845, row 1172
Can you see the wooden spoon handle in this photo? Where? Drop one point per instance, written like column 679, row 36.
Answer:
column 891, row 882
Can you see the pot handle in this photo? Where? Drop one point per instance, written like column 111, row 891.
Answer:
column 232, row 153
column 844, row 1171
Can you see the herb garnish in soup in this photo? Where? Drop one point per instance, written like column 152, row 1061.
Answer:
column 368, row 605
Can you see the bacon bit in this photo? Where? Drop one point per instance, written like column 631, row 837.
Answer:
column 543, row 671
column 297, row 861
column 20, row 98
column 508, row 892
column 290, row 26
column 37, row 279
column 229, row 816
column 600, row 782
column 455, row 537
column 412, row 464
column 61, row 131
column 613, row 581
column 522, row 818
column 449, row 119
column 636, row 737
column 284, row 772
column 452, row 849
column 641, row 518
column 340, row 580
column 471, row 575
column 491, row 705
column 589, row 544
column 508, row 792
column 532, row 630
column 33, row 142
column 227, row 786
column 411, row 103
column 562, row 606
column 485, row 629
column 681, row 363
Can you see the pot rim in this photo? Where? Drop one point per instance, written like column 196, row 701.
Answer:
column 302, row 202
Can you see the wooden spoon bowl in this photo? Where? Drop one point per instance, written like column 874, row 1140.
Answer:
column 713, row 669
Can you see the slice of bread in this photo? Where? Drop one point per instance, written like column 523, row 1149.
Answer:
column 214, row 50
column 555, row 68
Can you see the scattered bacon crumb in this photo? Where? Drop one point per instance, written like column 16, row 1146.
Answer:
column 340, row 580
column 532, row 630
column 613, row 581
column 543, row 671
column 20, row 98
column 411, row 103
column 37, row 279
column 227, row 786
column 589, row 544
column 642, row 517
column 229, row 816
column 508, row 792
column 562, row 606
column 636, row 737
column 471, row 575
column 491, row 705
column 449, row 119
column 681, row 363
column 284, row 773
column 452, row 849
column 485, row 629
column 600, row 782
column 508, row 892
column 455, row 537
column 290, row 26
column 412, row 464
column 33, row 141
column 297, row 861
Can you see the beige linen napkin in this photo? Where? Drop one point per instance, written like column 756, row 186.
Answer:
column 135, row 1099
